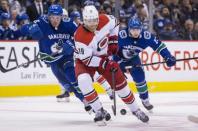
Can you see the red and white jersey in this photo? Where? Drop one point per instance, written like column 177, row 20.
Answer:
column 91, row 45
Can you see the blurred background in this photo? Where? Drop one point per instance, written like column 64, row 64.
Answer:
column 168, row 19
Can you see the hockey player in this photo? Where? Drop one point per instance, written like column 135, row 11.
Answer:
column 54, row 36
column 95, row 40
column 132, row 41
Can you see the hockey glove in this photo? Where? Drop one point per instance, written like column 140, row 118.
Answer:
column 107, row 65
column 68, row 48
column 32, row 30
column 112, row 45
column 170, row 61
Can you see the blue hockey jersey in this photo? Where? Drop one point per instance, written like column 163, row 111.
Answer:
column 50, row 37
column 130, row 47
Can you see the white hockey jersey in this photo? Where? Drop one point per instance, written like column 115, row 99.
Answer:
column 91, row 45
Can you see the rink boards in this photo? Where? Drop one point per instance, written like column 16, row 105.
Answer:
column 37, row 80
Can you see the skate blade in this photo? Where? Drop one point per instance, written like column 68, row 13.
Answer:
column 63, row 100
column 101, row 123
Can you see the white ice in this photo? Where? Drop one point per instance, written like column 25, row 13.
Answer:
column 171, row 111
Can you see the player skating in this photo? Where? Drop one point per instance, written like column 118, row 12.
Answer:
column 95, row 40
column 54, row 36
column 132, row 41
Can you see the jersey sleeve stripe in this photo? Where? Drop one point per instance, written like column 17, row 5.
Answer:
column 160, row 48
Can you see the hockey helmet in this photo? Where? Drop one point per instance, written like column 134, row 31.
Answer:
column 134, row 23
column 75, row 14
column 55, row 10
column 90, row 17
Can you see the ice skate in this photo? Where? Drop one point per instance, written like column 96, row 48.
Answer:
column 147, row 105
column 89, row 109
column 101, row 117
column 141, row 115
column 63, row 97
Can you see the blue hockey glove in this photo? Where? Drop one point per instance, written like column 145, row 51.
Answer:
column 32, row 30
column 68, row 48
column 170, row 61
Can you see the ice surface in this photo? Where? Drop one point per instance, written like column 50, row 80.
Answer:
column 45, row 114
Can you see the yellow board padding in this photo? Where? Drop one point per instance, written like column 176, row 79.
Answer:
column 49, row 90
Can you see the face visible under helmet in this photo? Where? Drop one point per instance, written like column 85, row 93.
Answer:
column 55, row 13
column 134, row 27
column 90, row 17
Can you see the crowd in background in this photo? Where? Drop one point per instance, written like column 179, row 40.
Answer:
column 172, row 19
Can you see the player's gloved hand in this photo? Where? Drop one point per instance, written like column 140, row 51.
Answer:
column 170, row 61
column 57, row 48
column 112, row 45
column 68, row 48
column 108, row 65
column 32, row 30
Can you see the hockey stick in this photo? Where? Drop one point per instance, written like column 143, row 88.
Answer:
column 159, row 62
column 114, row 108
column 4, row 70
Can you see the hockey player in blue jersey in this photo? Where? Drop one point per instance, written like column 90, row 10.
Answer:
column 131, row 42
column 56, row 48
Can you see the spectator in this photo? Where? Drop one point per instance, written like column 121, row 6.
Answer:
column 4, row 7
column 22, row 20
column 65, row 14
column 6, row 33
column 168, row 32
column 189, row 32
column 36, row 9
column 13, row 24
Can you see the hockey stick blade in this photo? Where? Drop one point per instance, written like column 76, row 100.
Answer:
column 114, row 110
column 6, row 70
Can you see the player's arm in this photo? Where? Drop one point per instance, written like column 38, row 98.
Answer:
column 161, row 49
column 113, row 36
column 85, row 54
column 32, row 30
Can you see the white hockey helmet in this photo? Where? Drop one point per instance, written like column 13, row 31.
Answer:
column 90, row 17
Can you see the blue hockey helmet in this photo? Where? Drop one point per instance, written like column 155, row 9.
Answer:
column 75, row 14
column 55, row 9
column 5, row 16
column 134, row 23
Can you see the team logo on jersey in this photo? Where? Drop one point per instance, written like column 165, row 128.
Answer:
column 102, row 43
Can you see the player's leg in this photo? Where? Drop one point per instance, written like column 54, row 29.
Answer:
column 124, row 92
column 69, row 73
column 90, row 94
column 138, row 76
column 103, row 82
column 65, row 85
column 84, row 75
column 64, row 96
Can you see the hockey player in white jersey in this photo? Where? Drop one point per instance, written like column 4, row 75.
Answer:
column 95, row 41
